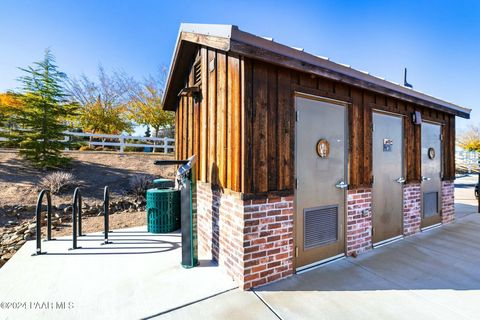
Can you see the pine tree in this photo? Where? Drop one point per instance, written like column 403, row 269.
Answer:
column 42, row 119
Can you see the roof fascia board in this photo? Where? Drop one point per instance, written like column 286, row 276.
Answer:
column 171, row 69
column 215, row 36
column 214, row 42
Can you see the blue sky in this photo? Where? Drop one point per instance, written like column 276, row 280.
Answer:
column 439, row 41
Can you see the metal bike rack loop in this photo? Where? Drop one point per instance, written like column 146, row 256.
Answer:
column 106, row 212
column 76, row 212
column 38, row 222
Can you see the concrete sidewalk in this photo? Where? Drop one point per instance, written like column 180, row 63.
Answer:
column 465, row 201
column 137, row 276
column 433, row 275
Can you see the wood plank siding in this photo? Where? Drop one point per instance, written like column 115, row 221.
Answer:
column 242, row 126
column 210, row 126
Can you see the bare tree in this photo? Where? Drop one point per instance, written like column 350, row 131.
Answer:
column 104, row 103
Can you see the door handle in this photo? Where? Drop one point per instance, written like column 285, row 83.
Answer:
column 400, row 180
column 341, row 185
column 426, row 178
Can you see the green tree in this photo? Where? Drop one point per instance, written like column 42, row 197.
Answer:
column 104, row 103
column 40, row 121
column 10, row 103
column 3, row 116
column 98, row 118
column 145, row 106
column 470, row 139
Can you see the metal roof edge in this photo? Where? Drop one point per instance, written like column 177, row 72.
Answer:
column 253, row 40
column 232, row 32
column 217, row 30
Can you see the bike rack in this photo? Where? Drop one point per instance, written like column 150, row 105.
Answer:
column 38, row 212
column 76, row 218
column 106, row 212
column 76, row 211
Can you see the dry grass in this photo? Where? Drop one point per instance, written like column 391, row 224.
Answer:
column 19, row 183
column 57, row 181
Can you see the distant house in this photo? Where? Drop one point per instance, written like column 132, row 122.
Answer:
column 302, row 160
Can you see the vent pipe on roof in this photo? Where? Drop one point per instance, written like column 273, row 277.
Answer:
column 405, row 83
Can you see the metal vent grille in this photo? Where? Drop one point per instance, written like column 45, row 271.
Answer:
column 430, row 204
column 320, row 226
column 197, row 73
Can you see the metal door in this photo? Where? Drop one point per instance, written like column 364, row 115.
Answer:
column 387, row 193
column 431, row 174
column 320, row 165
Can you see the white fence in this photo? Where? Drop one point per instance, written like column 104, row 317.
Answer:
column 466, row 160
column 165, row 144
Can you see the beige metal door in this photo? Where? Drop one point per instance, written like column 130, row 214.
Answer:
column 320, row 165
column 431, row 174
column 387, row 194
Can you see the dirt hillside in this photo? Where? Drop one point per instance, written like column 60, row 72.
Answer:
column 92, row 170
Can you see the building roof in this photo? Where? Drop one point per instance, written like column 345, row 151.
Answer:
column 230, row 38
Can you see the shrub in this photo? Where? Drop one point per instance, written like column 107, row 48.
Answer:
column 139, row 184
column 57, row 181
column 106, row 148
column 86, row 148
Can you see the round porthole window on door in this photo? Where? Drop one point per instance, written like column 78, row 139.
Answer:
column 323, row 148
column 431, row 153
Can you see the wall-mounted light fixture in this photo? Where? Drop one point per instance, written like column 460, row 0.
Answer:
column 190, row 92
column 417, row 117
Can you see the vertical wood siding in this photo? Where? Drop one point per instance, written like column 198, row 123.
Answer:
column 210, row 127
column 243, row 127
column 270, row 96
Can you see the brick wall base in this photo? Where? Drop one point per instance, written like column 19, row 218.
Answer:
column 448, row 202
column 359, row 221
column 268, row 240
column 251, row 239
column 411, row 208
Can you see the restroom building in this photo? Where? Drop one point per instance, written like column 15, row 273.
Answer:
column 302, row 160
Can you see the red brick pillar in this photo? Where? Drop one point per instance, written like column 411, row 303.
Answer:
column 411, row 208
column 448, row 201
column 359, row 221
column 268, row 240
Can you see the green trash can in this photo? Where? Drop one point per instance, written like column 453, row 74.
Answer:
column 163, row 183
column 163, row 210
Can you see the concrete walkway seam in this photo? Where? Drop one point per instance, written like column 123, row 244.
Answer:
column 188, row 304
column 267, row 305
